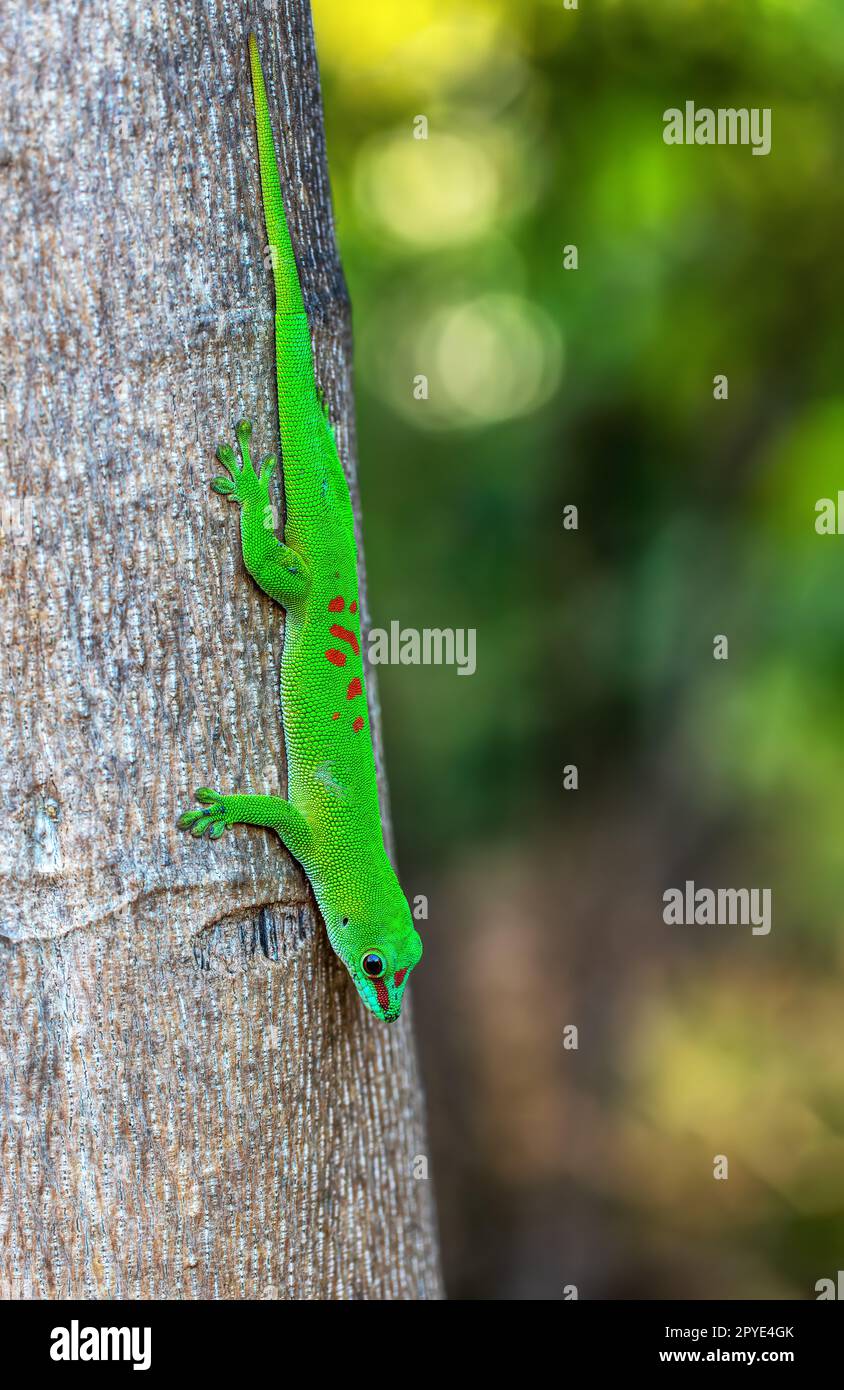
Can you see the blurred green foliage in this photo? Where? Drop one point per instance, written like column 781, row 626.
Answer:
column 594, row 386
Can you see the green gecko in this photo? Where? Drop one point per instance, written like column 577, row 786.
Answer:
column 331, row 820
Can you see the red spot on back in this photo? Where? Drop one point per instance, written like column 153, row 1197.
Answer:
column 336, row 605
column 353, row 607
column 400, row 974
column 336, row 716
column 336, row 658
column 344, row 635
column 383, row 994
column 357, row 725
column 355, row 688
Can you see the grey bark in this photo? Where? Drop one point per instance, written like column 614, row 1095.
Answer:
column 193, row 1102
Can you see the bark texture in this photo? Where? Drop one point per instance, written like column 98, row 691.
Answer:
column 193, row 1102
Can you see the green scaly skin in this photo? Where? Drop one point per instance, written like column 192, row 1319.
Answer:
column 331, row 821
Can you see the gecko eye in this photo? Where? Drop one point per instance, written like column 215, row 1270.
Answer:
column 373, row 965
column 345, row 921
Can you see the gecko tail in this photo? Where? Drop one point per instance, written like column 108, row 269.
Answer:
column 288, row 291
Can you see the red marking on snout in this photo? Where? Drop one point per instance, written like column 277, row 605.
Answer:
column 353, row 607
column 336, row 658
column 344, row 635
column 336, row 605
column 400, row 974
column 355, row 688
column 382, row 994
column 357, row 724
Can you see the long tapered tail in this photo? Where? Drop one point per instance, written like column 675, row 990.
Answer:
column 288, row 291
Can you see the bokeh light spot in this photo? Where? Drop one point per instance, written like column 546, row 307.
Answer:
column 427, row 192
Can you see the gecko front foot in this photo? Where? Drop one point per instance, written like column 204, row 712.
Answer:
column 214, row 819
column 272, row 812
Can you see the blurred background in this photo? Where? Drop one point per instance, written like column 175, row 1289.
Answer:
column 551, row 387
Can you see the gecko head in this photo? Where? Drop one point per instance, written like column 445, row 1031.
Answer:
column 379, row 950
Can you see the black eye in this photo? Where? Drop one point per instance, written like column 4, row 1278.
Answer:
column 345, row 921
column 373, row 965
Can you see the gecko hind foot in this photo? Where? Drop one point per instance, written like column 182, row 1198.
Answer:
column 243, row 482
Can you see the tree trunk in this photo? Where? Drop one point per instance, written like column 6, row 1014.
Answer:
column 193, row 1101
